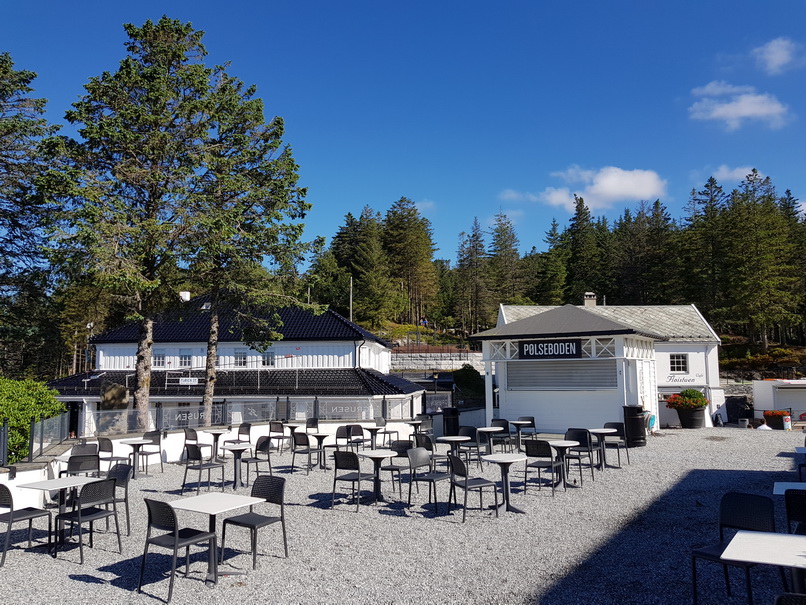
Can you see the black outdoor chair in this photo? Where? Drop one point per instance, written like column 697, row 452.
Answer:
column 302, row 445
column 92, row 505
column 82, row 464
column 244, row 434
column 795, row 502
column 580, row 452
column 528, row 430
column 312, row 425
column 461, row 480
column 13, row 516
column 105, row 446
column 348, row 461
column 195, row 462
column 790, row 598
column 503, row 437
column 272, row 490
column 419, row 459
column 400, row 447
column 84, row 449
column 147, row 450
column 262, row 448
column 121, row 473
column 737, row 511
column 425, row 441
column 342, row 438
column 387, row 433
column 540, row 456
column 162, row 517
column 473, row 446
column 192, row 437
column 277, row 433
column 618, row 441
column 357, row 439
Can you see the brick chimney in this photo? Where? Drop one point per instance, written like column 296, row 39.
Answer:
column 590, row 299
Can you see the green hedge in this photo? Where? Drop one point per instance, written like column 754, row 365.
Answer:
column 21, row 400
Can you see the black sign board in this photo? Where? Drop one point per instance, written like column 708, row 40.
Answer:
column 550, row 349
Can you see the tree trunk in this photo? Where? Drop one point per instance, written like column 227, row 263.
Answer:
column 210, row 367
column 143, row 372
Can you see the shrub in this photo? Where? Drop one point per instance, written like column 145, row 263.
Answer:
column 687, row 399
column 21, row 400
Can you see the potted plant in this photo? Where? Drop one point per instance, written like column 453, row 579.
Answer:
column 775, row 418
column 690, row 405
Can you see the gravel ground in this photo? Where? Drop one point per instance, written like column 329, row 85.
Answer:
column 624, row 538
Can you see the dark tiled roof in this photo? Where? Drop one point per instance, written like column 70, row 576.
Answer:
column 192, row 324
column 268, row 383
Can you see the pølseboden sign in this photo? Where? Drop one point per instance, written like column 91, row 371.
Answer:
column 550, row 349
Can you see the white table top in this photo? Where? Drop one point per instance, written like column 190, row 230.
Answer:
column 138, row 441
column 779, row 487
column 214, row 503
column 377, row 453
column 413, row 422
column 787, row 550
column 504, row 458
column 519, row 422
column 61, row 482
column 216, row 431
column 449, row 438
column 563, row 443
column 603, row 431
column 237, row 447
column 489, row 429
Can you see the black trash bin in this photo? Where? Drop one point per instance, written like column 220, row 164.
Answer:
column 634, row 425
column 450, row 421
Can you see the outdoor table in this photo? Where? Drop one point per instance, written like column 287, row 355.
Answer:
column 562, row 446
column 415, row 424
column 237, row 450
column 505, row 461
column 216, row 433
column 519, row 424
column 770, row 548
column 292, row 428
column 62, row 484
column 601, row 434
column 212, row 504
column 373, row 435
column 377, row 457
column 489, row 429
column 136, row 444
column 453, row 441
column 320, row 442
column 779, row 487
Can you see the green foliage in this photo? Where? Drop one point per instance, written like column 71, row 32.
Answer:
column 469, row 381
column 20, row 401
column 687, row 399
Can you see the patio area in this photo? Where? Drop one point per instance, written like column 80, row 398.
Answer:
column 624, row 538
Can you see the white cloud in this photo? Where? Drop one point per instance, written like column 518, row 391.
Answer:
column 733, row 105
column 600, row 188
column 734, row 175
column 776, row 56
column 425, row 206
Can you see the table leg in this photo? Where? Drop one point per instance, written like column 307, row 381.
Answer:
column 505, row 486
column 212, row 566
column 135, row 459
column 215, row 447
column 377, row 480
column 236, row 462
column 518, row 437
column 602, row 452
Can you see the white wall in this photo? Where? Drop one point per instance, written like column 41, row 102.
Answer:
column 556, row 411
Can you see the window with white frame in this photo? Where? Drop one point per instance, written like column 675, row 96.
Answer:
column 241, row 356
column 267, row 359
column 158, row 358
column 185, row 358
column 678, row 362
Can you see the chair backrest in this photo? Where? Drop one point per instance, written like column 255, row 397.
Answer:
column 418, row 457
column 301, row 439
column 161, row 515
column 6, row 499
column 457, row 466
column 423, row 440
column 263, row 444
column 275, row 426
column 84, row 449
column 538, row 448
column 502, row 423
column 271, row 489
column 751, row 512
column 83, row 464
column 97, row 493
column 312, row 423
column 619, row 426
column 400, row 447
column 795, row 501
column 245, row 429
column 194, row 452
column 191, row 436
column 581, row 435
column 154, row 436
column 121, row 473
column 380, row 421
column 343, row 432
column 356, row 430
column 105, row 445
column 345, row 461
column 530, row 420
column 467, row 431
column 427, row 424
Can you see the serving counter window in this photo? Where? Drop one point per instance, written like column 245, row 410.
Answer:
column 561, row 375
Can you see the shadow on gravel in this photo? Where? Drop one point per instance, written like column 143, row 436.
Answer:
column 649, row 562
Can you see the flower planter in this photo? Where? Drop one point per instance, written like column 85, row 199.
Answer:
column 691, row 418
column 775, row 422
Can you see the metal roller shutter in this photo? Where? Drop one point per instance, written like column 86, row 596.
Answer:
column 559, row 375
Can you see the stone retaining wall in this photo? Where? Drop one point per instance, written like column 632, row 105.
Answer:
column 435, row 361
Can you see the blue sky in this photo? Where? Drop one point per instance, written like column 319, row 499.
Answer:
column 470, row 108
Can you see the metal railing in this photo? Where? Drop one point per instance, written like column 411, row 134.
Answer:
column 43, row 434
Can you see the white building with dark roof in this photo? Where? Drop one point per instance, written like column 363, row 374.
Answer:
column 570, row 365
